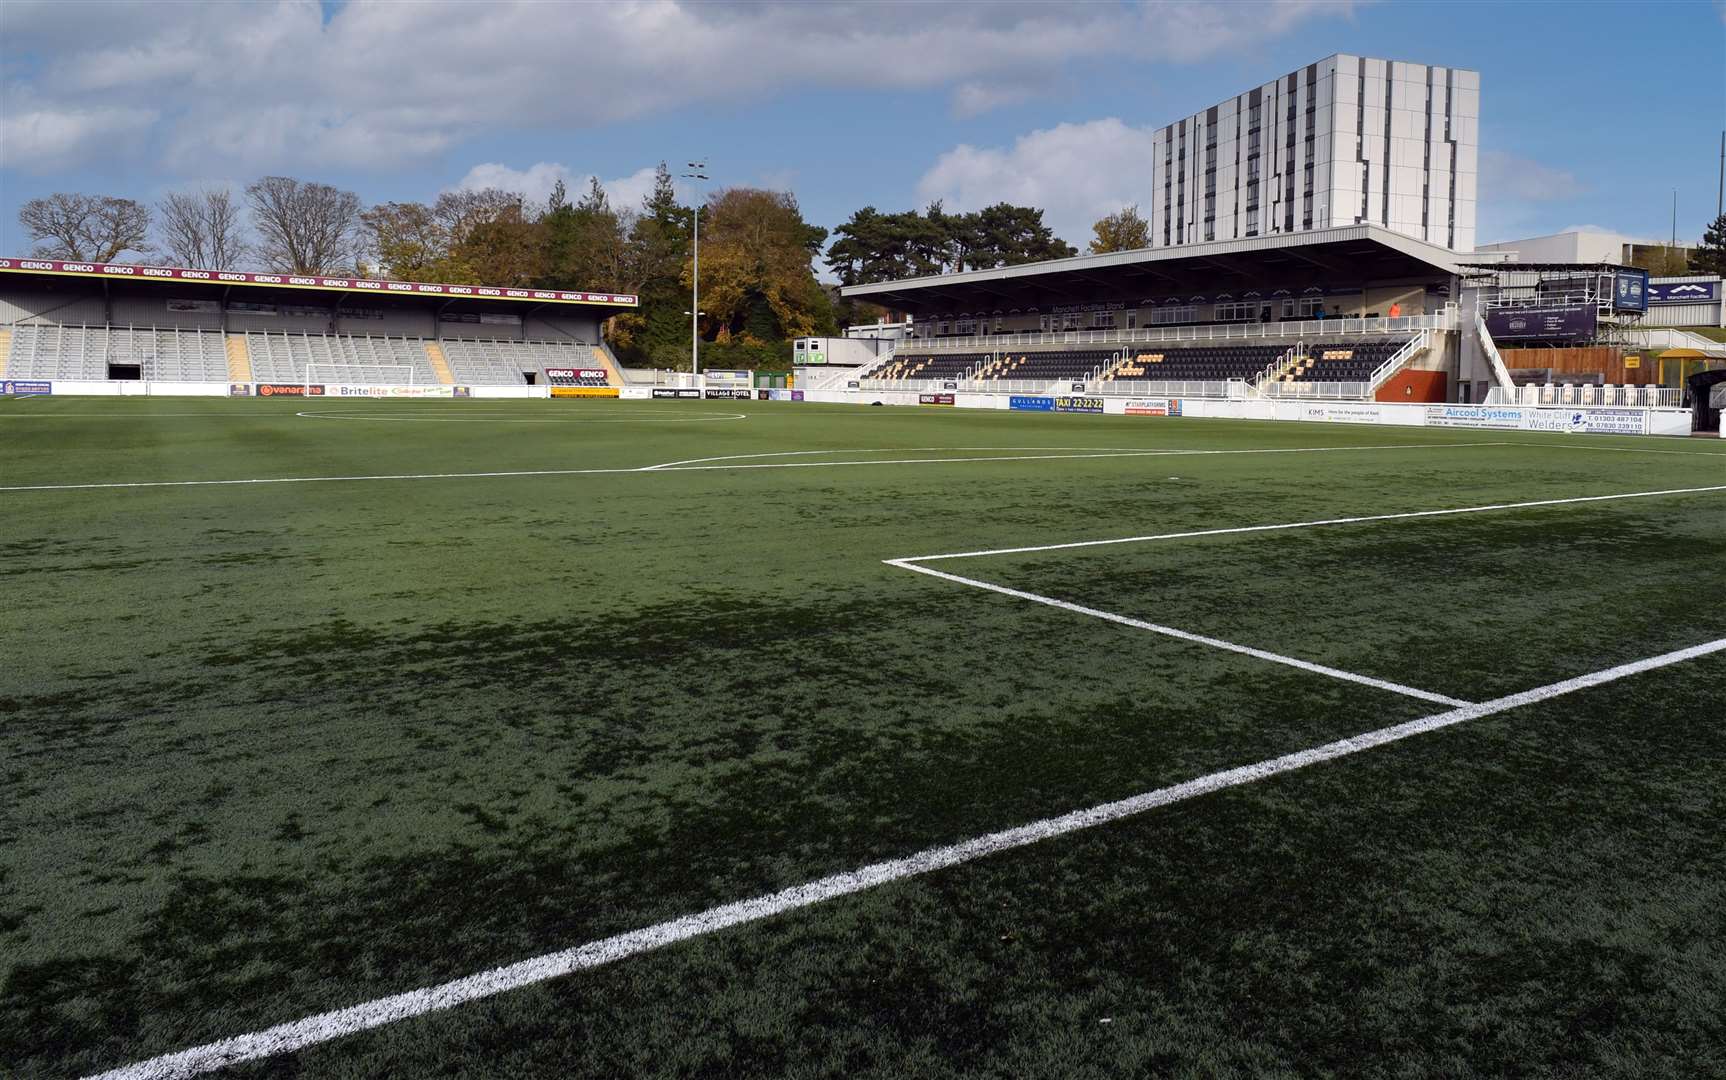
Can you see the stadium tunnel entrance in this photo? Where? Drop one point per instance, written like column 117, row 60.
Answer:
column 1707, row 397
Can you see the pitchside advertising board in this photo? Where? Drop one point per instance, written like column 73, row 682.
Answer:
column 1550, row 322
column 1031, row 403
column 584, row 391
column 329, row 390
column 1079, row 404
column 935, row 399
column 1152, row 407
column 25, row 387
column 1591, row 421
column 672, row 392
column 743, row 394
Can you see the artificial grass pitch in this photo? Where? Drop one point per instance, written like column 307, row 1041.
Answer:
column 269, row 750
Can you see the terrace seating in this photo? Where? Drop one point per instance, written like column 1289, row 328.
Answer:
column 1342, row 362
column 284, row 357
column 914, row 366
column 1210, row 363
column 43, row 351
column 477, row 362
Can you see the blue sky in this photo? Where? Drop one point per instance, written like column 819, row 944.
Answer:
column 1592, row 113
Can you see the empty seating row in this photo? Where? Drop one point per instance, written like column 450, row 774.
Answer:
column 285, row 357
column 43, row 351
column 926, row 366
column 507, row 363
column 1340, row 362
column 1198, row 363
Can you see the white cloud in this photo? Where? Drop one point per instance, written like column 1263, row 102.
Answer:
column 972, row 99
column 536, row 181
column 390, row 85
column 44, row 139
column 1075, row 172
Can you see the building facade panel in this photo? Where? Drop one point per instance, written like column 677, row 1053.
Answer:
column 1348, row 140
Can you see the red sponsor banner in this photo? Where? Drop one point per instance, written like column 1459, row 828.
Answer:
column 304, row 281
column 268, row 389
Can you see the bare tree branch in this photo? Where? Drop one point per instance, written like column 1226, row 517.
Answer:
column 305, row 228
column 85, row 228
column 201, row 229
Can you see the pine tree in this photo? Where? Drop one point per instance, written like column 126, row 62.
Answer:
column 1710, row 256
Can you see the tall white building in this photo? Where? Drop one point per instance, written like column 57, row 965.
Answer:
column 1348, row 140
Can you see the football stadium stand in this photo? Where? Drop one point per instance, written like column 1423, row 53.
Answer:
column 95, row 322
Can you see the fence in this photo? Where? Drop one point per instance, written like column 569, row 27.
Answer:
column 1664, row 397
column 1318, row 391
column 1316, row 329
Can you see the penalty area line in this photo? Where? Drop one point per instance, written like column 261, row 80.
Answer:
column 1185, row 635
column 906, row 560
column 327, row 1026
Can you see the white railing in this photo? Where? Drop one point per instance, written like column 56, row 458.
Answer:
column 1488, row 346
column 1318, row 391
column 1415, row 346
column 1563, row 394
column 1275, row 367
column 1194, row 388
column 1018, row 386
column 1317, row 329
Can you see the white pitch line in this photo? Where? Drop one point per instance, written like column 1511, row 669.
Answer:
column 1183, row 635
column 1303, row 524
column 706, row 468
column 1623, row 449
column 324, row 1027
column 877, row 450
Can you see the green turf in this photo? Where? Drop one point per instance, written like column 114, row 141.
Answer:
column 275, row 749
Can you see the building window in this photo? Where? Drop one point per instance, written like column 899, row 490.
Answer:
column 1161, row 316
column 1235, row 312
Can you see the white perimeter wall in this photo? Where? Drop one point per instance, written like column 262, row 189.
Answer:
column 1577, row 419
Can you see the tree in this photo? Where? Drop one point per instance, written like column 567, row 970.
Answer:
column 656, row 334
column 873, row 246
column 757, row 285
column 85, row 228
column 1008, row 235
column 587, row 244
column 201, row 229
column 1123, row 230
column 1710, row 255
column 407, row 241
column 1660, row 260
column 494, row 238
column 303, row 227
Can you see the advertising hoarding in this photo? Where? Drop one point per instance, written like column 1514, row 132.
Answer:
column 1683, row 292
column 1630, row 290
column 1031, row 403
column 1079, row 404
column 1545, row 322
column 301, row 281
